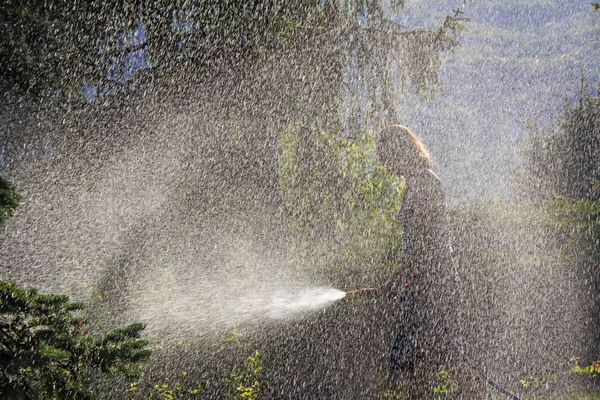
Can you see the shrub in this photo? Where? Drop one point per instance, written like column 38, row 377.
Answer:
column 47, row 352
column 340, row 203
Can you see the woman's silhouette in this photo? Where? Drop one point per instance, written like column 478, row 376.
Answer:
column 422, row 275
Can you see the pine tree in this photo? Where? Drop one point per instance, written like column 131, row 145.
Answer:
column 47, row 352
column 9, row 200
column 45, row 349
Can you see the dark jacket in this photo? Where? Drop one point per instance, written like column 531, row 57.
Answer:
column 421, row 276
column 425, row 248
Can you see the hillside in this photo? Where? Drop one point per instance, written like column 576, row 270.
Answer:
column 517, row 61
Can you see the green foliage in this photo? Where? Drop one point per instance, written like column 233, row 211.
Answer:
column 245, row 383
column 341, row 204
column 533, row 382
column 47, row 46
column 47, row 352
column 580, row 220
column 562, row 168
column 172, row 390
column 590, row 396
column 235, row 373
column 444, row 383
column 564, row 162
column 440, row 383
column 9, row 200
column 53, row 45
column 591, row 371
column 388, row 394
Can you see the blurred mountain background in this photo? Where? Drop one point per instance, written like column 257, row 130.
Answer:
column 517, row 62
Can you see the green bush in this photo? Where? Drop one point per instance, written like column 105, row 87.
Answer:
column 9, row 200
column 562, row 181
column 245, row 383
column 340, row 203
column 46, row 351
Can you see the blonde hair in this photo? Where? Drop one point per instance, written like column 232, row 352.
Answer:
column 398, row 140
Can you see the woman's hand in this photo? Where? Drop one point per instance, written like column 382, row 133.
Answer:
column 393, row 289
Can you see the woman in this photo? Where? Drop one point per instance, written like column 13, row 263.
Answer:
column 425, row 259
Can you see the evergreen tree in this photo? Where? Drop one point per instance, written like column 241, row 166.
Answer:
column 53, row 45
column 562, row 177
column 566, row 162
column 47, row 352
column 9, row 200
